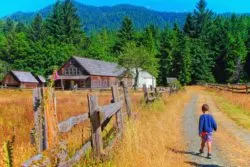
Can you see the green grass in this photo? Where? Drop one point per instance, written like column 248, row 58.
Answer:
column 240, row 115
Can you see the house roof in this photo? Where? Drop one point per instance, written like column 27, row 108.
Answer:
column 41, row 79
column 24, row 76
column 97, row 67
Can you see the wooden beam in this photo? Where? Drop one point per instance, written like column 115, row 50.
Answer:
column 119, row 119
column 40, row 122
column 96, row 131
column 127, row 99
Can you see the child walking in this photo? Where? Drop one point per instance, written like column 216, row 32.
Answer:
column 206, row 126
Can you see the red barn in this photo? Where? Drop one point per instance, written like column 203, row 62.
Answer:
column 81, row 73
column 20, row 79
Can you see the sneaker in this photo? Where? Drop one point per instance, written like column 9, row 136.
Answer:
column 209, row 156
column 201, row 151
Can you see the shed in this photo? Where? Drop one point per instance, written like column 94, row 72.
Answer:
column 144, row 78
column 80, row 73
column 21, row 79
column 171, row 80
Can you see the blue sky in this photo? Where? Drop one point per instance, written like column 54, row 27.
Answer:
column 220, row 6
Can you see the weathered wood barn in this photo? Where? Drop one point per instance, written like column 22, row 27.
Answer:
column 20, row 79
column 80, row 73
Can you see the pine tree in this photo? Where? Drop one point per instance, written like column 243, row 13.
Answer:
column 125, row 35
column 181, row 57
column 72, row 25
column 202, row 64
column 20, row 27
column 37, row 30
column 9, row 26
column 55, row 22
column 189, row 26
column 202, row 19
column 167, row 42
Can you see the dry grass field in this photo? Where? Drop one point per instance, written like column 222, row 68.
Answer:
column 155, row 131
column 17, row 119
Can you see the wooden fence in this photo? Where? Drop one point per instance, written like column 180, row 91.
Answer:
column 150, row 94
column 46, row 129
column 234, row 88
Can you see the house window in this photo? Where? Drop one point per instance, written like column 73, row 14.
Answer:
column 72, row 71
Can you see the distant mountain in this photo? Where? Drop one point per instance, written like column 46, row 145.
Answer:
column 96, row 18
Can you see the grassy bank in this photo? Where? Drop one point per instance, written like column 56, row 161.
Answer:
column 236, row 106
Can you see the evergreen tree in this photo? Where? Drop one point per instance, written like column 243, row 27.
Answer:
column 72, row 25
column 37, row 31
column 20, row 27
column 9, row 26
column 181, row 57
column 125, row 35
column 202, row 19
column 201, row 62
column 189, row 26
column 167, row 42
column 55, row 22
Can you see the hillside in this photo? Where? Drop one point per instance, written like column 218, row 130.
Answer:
column 96, row 18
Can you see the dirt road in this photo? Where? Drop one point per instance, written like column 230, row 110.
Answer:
column 231, row 146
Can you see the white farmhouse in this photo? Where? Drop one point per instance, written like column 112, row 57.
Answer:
column 144, row 78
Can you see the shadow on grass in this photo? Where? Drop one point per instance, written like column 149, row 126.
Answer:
column 201, row 165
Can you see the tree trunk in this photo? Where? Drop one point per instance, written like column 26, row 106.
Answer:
column 136, row 78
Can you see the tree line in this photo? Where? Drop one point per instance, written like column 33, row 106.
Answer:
column 208, row 48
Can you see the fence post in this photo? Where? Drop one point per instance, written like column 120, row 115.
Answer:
column 126, row 98
column 51, row 117
column 145, row 90
column 96, row 130
column 115, row 96
column 246, row 89
column 40, row 122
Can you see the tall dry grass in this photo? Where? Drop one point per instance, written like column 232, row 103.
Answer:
column 17, row 119
column 155, row 137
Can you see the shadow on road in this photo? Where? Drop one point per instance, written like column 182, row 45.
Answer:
column 185, row 152
column 201, row 165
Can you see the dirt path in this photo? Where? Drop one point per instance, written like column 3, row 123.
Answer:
column 231, row 146
column 193, row 141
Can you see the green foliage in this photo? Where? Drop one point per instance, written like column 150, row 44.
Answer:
column 125, row 35
column 208, row 48
column 137, row 57
column 4, row 67
column 8, row 152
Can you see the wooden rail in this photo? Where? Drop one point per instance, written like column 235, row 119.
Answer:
column 99, row 117
column 234, row 88
column 152, row 93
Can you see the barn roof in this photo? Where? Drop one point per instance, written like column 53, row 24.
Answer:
column 97, row 67
column 41, row 79
column 24, row 76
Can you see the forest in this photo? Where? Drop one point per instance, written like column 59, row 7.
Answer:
column 207, row 48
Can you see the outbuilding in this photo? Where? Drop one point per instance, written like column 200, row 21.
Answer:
column 20, row 79
column 144, row 78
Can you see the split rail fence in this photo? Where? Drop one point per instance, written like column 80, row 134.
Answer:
column 234, row 88
column 46, row 130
